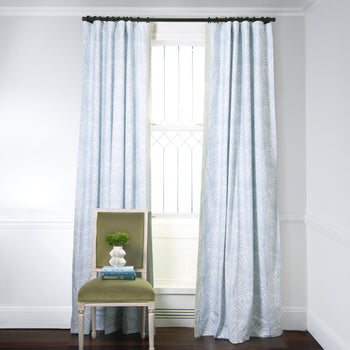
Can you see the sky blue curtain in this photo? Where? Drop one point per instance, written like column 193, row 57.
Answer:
column 113, row 164
column 238, row 281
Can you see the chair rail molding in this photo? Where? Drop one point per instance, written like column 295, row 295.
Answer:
column 36, row 223
column 291, row 217
column 56, row 222
column 328, row 231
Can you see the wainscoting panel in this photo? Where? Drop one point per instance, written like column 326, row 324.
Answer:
column 27, row 245
column 328, row 284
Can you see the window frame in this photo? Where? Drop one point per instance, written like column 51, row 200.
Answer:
column 176, row 228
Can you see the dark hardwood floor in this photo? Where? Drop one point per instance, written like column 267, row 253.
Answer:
column 166, row 339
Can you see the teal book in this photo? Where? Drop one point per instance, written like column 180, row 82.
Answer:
column 107, row 273
column 119, row 277
column 119, row 271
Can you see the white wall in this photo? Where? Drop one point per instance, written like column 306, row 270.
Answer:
column 290, row 114
column 40, row 69
column 328, row 172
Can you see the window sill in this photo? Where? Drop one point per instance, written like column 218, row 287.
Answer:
column 175, row 290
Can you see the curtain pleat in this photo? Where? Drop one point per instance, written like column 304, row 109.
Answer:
column 238, row 280
column 113, row 160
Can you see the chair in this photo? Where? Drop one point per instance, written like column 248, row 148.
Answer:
column 99, row 292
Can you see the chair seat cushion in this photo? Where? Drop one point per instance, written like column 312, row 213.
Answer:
column 115, row 291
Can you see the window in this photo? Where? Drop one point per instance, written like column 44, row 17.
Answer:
column 176, row 151
column 176, row 132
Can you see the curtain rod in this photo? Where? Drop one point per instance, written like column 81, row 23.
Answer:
column 151, row 19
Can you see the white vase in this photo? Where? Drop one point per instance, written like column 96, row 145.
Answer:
column 117, row 256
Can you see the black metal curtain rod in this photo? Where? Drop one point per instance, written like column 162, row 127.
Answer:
column 151, row 19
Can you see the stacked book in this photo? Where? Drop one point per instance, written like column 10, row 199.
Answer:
column 118, row 273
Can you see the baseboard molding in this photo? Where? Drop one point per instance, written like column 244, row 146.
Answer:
column 293, row 318
column 325, row 335
column 60, row 318
column 35, row 317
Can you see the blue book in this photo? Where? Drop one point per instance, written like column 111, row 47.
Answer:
column 117, row 273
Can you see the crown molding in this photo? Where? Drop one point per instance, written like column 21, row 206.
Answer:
column 155, row 11
column 310, row 6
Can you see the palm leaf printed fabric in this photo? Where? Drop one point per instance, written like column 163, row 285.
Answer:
column 238, row 280
column 113, row 146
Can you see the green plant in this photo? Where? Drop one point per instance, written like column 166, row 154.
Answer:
column 118, row 239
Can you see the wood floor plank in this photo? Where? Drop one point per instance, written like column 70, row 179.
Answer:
column 166, row 339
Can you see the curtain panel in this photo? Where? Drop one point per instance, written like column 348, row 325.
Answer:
column 113, row 161
column 238, row 280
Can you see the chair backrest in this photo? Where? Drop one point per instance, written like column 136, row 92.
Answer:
column 134, row 222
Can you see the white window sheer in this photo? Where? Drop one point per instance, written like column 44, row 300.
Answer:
column 177, row 119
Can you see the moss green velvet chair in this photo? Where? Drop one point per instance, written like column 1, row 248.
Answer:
column 139, row 292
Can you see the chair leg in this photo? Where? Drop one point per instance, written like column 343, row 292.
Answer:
column 143, row 322
column 151, row 326
column 93, row 323
column 81, row 308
